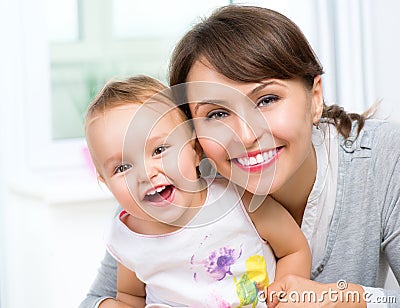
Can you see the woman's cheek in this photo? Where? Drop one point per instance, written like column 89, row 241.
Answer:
column 213, row 150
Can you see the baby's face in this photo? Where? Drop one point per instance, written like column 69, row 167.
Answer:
column 147, row 156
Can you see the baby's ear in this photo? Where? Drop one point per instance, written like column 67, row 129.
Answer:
column 199, row 151
column 100, row 178
column 197, row 147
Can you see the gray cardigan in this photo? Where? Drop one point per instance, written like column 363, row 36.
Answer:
column 364, row 236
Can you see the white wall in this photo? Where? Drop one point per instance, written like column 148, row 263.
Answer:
column 52, row 250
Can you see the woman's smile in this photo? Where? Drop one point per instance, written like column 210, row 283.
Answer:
column 256, row 161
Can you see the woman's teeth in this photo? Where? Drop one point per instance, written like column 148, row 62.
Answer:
column 258, row 159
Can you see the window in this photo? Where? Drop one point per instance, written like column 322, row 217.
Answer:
column 93, row 41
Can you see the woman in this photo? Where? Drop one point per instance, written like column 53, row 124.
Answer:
column 338, row 174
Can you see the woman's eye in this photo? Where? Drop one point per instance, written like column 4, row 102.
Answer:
column 159, row 150
column 122, row 168
column 267, row 100
column 217, row 115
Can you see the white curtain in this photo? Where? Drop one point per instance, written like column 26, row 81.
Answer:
column 14, row 53
column 345, row 47
column 11, row 90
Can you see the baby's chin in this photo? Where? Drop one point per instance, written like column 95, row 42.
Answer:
column 174, row 216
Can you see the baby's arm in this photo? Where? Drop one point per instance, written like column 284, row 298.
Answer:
column 130, row 289
column 274, row 224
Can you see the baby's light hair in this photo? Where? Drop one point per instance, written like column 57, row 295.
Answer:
column 139, row 89
column 136, row 89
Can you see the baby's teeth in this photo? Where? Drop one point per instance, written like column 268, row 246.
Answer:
column 160, row 189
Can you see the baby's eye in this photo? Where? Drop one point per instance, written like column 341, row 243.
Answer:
column 122, row 168
column 159, row 150
column 266, row 100
column 217, row 115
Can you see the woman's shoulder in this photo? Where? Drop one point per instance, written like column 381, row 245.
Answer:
column 374, row 151
column 379, row 126
column 381, row 135
column 372, row 161
column 375, row 135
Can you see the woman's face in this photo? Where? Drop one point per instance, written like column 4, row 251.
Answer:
column 258, row 135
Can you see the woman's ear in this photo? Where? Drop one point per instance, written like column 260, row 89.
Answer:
column 317, row 99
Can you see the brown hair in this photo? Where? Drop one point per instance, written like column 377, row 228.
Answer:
column 250, row 44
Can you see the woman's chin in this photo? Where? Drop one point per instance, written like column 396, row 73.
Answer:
column 261, row 187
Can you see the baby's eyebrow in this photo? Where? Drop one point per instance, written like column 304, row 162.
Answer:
column 161, row 136
column 112, row 160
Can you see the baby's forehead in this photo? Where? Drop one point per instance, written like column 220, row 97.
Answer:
column 177, row 114
column 173, row 119
column 166, row 108
column 152, row 118
column 152, row 127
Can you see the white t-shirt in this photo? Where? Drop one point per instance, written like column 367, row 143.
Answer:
column 217, row 260
column 321, row 201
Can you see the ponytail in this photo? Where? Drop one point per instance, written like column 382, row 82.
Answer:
column 343, row 120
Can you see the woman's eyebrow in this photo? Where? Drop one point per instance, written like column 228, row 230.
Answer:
column 221, row 102
column 263, row 85
column 207, row 102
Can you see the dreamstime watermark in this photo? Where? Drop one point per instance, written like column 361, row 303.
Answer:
column 339, row 294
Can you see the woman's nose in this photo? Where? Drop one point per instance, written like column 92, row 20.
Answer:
column 244, row 133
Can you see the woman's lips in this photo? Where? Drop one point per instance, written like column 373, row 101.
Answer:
column 256, row 161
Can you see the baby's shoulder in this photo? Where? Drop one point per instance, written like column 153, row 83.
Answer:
column 218, row 182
